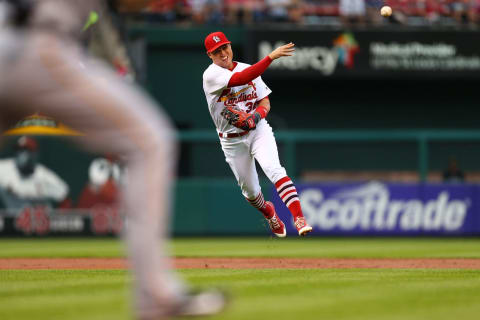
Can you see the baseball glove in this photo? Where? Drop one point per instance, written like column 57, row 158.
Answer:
column 239, row 118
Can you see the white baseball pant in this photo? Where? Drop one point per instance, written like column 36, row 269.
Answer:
column 241, row 153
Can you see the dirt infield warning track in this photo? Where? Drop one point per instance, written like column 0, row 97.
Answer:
column 245, row 263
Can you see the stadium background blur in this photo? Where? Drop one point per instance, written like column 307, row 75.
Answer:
column 356, row 123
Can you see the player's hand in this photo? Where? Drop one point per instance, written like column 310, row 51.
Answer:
column 283, row 51
column 250, row 123
column 240, row 119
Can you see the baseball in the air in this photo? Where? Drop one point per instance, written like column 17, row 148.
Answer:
column 386, row 11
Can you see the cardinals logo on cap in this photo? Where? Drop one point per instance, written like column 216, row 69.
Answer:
column 215, row 40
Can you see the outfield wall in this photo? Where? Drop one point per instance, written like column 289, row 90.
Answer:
column 216, row 207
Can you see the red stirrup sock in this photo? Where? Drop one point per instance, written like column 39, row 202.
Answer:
column 288, row 193
column 261, row 205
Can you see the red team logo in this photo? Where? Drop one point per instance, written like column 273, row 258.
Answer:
column 230, row 98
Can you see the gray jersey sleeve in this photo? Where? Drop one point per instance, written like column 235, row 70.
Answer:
column 62, row 16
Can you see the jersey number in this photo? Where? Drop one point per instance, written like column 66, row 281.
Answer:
column 251, row 106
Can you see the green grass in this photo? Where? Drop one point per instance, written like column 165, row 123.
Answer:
column 63, row 294
column 256, row 294
column 331, row 248
column 60, row 247
column 349, row 294
column 254, row 247
column 337, row 294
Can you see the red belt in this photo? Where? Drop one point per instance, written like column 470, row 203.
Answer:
column 232, row 135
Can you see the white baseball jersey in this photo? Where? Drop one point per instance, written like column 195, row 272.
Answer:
column 43, row 183
column 246, row 97
column 259, row 144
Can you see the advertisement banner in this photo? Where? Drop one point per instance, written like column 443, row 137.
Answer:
column 387, row 53
column 375, row 208
column 43, row 221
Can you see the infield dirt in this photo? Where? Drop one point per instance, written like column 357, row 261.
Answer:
column 245, row 263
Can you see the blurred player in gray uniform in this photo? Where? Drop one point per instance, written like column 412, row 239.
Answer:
column 44, row 69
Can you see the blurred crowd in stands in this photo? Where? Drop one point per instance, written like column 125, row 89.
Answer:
column 313, row 12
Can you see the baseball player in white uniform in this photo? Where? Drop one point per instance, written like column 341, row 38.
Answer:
column 26, row 179
column 238, row 102
column 45, row 70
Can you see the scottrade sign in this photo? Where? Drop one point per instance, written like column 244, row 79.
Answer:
column 375, row 208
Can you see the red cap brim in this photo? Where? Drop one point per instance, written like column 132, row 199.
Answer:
column 218, row 45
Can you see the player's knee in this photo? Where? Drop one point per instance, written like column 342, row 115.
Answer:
column 164, row 146
column 154, row 146
column 159, row 133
